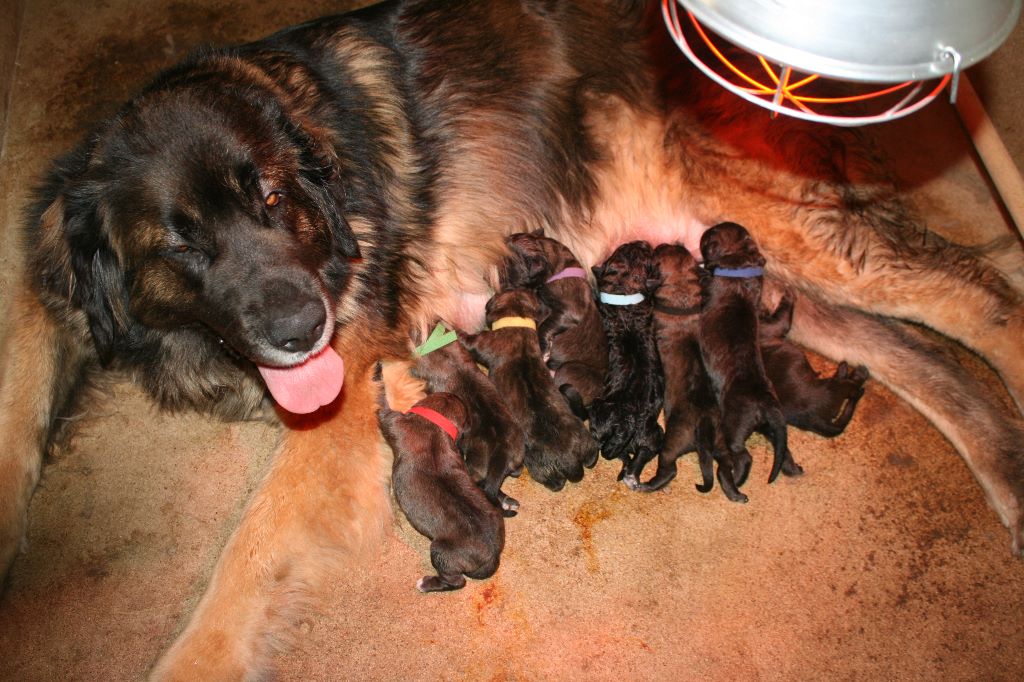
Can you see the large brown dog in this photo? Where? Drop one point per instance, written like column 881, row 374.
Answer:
column 360, row 173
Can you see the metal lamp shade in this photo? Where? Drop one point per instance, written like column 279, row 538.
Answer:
column 864, row 40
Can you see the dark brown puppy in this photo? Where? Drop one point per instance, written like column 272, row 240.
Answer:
column 729, row 328
column 624, row 419
column 558, row 446
column 572, row 336
column 436, row 493
column 492, row 442
column 691, row 409
column 823, row 405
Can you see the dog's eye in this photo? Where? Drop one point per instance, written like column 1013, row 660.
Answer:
column 273, row 199
column 182, row 248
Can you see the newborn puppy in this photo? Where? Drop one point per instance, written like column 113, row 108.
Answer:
column 436, row 493
column 492, row 441
column 690, row 404
column 823, row 405
column 558, row 446
column 624, row 418
column 730, row 303
column 571, row 336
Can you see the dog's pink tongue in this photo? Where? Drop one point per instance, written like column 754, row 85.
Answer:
column 304, row 388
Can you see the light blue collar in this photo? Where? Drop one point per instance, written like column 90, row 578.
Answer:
column 738, row 273
column 621, row 299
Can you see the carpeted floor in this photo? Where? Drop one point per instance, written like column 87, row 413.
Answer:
column 883, row 562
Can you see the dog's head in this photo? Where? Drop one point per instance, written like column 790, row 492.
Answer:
column 629, row 270
column 728, row 245
column 678, row 275
column 205, row 207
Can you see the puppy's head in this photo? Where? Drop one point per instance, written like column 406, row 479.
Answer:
column 728, row 245
column 533, row 258
column 629, row 270
column 450, row 406
column 678, row 275
column 516, row 303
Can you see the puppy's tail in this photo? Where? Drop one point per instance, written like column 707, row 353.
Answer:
column 575, row 400
column 776, row 429
column 705, row 454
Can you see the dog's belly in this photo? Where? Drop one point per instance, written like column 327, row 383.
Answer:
column 642, row 192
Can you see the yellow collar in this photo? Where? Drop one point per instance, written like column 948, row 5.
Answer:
column 503, row 322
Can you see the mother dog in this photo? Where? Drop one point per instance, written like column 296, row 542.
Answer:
column 352, row 177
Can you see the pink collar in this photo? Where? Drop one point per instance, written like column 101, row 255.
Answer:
column 441, row 421
column 568, row 272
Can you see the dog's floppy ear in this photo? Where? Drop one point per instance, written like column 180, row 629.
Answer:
column 320, row 178
column 71, row 251
column 97, row 279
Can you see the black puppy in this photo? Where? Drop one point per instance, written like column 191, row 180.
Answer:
column 624, row 418
column 572, row 336
column 558, row 446
column 823, row 405
column 731, row 285
column 691, row 409
column 436, row 493
column 492, row 441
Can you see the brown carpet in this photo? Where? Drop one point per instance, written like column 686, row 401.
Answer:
column 883, row 562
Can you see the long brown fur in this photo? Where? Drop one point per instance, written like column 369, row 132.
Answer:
column 447, row 126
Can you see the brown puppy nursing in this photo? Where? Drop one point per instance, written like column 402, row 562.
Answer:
column 729, row 319
column 571, row 336
column 558, row 445
column 492, row 441
column 436, row 493
column 691, row 409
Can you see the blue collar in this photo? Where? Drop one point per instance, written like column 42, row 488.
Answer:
column 621, row 299
column 738, row 273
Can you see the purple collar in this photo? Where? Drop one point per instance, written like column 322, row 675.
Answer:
column 566, row 273
column 738, row 273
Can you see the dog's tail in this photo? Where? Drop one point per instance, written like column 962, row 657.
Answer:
column 929, row 376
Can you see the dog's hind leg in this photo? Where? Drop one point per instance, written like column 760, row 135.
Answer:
column 931, row 378
column 40, row 368
column 319, row 513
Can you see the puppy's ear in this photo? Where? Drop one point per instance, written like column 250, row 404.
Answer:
column 543, row 311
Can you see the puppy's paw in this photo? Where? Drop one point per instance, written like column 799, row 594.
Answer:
column 509, row 506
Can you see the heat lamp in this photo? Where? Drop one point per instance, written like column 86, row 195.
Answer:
column 890, row 57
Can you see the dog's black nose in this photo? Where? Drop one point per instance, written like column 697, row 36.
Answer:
column 300, row 330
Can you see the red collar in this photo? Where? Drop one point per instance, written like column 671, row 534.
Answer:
column 441, row 421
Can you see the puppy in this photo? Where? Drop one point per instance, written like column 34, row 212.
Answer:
column 730, row 302
column 437, row 495
column 558, row 446
column 572, row 336
column 624, row 418
column 690, row 404
column 823, row 405
column 492, row 441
